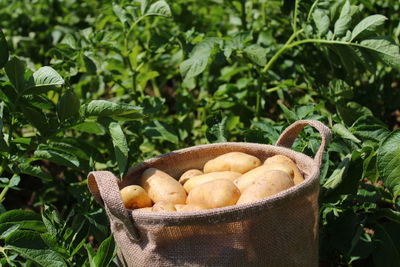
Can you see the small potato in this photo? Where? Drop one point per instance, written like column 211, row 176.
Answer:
column 188, row 207
column 298, row 177
column 271, row 183
column 233, row 161
column 189, row 174
column 162, row 187
column 214, row 194
column 135, row 197
column 164, row 206
column 200, row 179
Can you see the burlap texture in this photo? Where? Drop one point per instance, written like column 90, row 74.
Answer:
column 281, row 230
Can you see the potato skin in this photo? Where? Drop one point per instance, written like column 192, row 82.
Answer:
column 188, row 207
column 162, row 187
column 200, row 179
column 271, row 183
column 298, row 177
column 232, row 161
column 249, row 177
column 164, row 206
column 189, row 174
column 214, row 194
column 135, row 197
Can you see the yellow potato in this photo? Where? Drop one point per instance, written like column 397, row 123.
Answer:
column 280, row 166
column 249, row 177
column 162, row 187
column 188, row 207
column 164, row 206
column 271, row 183
column 189, row 174
column 233, row 161
column 298, row 177
column 135, row 197
column 200, row 179
column 214, row 194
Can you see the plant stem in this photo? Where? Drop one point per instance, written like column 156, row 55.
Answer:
column 248, row 17
column 259, row 91
column 296, row 7
column 314, row 5
column 243, row 17
column 3, row 251
column 3, row 194
column 280, row 51
column 263, row 14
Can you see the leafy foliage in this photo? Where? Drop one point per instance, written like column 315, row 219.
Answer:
column 95, row 85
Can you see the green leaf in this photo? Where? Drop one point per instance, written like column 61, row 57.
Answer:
column 373, row 132
column 106, row 252
column 36, row 117
column 338, row 174
column 368, row 27
column 103, row 108
column 14, row 181
column 90, row 127
column 339, row 89
column 157, row 130
column 289, row 115
column 6, row 231
column 143, row 6
column 68, row 105
column 38, row 101
column 322, row 21
column 49, row 223
column 383, row 49
column 159, row 8
column 35, row 171
column 53, row 243
column 256, row 54
column 349, row 112
column 31, row 246
column 15, row 70
column 216, row 131
column 369, row 165
column 388, row 159
column 25, row 219
column 63, row 158
column 389, row 214
column 43, row 80
column 237, row 42
column 194, row 66
column 198, row 60
column 120, row 13
column 91, row 254
column 344, row 21
column 386, row 244
column 120, row 144
column 3, row 50
column 343, row 132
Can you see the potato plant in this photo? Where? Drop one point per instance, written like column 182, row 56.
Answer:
column 101, row 85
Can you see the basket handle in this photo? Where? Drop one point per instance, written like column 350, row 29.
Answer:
column 290, row 134
column 104, row 187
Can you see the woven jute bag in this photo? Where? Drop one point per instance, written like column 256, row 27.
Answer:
column 281, row 230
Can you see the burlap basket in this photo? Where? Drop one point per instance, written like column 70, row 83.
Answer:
column 281, row 230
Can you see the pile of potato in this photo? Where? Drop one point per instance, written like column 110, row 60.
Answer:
column 229, row 179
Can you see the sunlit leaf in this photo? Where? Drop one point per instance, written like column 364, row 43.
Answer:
column 43, row 80
column 388, row 162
